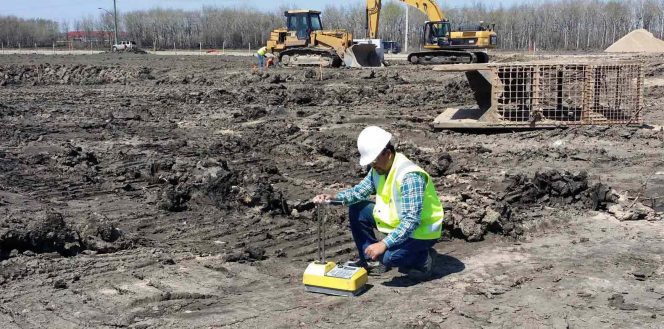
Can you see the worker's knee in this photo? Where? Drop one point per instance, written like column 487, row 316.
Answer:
column 399, row 258
column 410, row 254
column 393, row 258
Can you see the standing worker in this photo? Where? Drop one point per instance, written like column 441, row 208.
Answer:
column 261, row 57
column 407, row 209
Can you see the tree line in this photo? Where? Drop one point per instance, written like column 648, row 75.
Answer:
column 15, row 32
column 549, row 25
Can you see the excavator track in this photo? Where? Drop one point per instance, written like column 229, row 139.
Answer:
column 309, row 57
column 448, row 57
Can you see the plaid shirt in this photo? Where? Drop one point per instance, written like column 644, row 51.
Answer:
column 412, row 192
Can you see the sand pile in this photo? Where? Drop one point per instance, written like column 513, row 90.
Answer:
column 637, row 41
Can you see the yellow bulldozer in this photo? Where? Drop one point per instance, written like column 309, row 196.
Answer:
column 304, row 42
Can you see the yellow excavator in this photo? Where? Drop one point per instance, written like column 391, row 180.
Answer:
column 304, row 43
column 443, row 46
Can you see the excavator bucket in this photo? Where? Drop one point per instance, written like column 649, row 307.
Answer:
column 362, row 55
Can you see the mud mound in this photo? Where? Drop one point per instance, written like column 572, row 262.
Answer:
column 230, row 144
column 75, row 160
column 174, row 199
column 474, row 214
column 637, row 41
column 248, row 254
column 437, row 163
column 218, row 183
column 214, row 183
column 337, row 147
column 275, row 88
column 47, row 74
column 255, row 91
column 74, row 155
column 185, row 80
column 101, row 234
column 67, row 156
column 48, row 232
column 263, row 195
column 547, row 187
column 251, row 112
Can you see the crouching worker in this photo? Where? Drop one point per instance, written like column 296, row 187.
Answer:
column 271, row 60
column 407, row 209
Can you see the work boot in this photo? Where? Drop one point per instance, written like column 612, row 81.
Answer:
column 376, row 268
column 372, row 267
column 423, row 272
column 356, row 263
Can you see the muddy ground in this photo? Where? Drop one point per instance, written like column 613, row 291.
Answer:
column 148, row 191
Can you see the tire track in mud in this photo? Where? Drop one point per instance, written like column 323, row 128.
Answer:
column 83, row 265
column 296, row 136
column 289, row 239
column 58, row 188
column 123, row 104
column 79, row 274
column 141, row 96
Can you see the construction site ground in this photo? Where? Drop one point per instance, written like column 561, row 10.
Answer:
column 143, row 191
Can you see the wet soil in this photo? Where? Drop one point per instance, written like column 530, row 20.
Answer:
column 144, row 191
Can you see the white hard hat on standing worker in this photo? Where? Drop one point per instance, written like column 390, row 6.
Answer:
column 371, row 141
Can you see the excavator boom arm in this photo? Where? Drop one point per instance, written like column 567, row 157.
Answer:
column 428, row 7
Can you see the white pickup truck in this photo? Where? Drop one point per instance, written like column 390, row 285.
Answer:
column 124, row 46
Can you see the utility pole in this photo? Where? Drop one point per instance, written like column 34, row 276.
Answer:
column 115, row 17
column 405, row 48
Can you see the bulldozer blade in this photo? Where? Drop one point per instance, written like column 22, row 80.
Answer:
column 362, row 55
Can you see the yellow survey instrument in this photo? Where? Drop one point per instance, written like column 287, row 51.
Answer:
column 327, row 277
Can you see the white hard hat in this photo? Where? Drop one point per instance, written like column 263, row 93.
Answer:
column 371, row 141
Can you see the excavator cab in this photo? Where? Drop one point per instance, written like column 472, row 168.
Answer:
column 303, row 22
column 437, row 33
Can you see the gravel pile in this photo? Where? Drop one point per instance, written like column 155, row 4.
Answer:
column 637, row 41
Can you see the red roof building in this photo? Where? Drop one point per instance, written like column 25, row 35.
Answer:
column 98, row 36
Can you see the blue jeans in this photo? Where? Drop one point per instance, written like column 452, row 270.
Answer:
column 261, row 61
column 410, row 254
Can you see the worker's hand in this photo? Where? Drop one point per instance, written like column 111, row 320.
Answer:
column 375, row 250
column 322, row 198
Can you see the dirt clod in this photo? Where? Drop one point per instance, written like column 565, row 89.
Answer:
column 60, row 284
column 167, row 190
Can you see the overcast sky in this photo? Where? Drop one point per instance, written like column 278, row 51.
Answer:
column 59, row 10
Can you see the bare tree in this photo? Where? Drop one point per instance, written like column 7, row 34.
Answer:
column 551, row 25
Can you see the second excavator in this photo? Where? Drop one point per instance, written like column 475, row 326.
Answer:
column 466, row 44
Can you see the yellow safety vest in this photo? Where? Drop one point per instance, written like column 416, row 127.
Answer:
column 388, row 201
column 262, row 51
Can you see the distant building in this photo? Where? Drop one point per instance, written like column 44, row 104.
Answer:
column 94, row 36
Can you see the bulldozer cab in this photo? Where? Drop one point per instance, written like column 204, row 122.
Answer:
column 303, row 22
column 437, row 33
